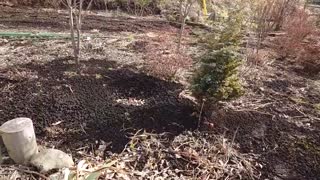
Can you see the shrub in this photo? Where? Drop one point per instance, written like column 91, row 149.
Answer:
column 267, row 16
column 270, row 15
column 299, row 42
column 168, row 67
column 161, row 58
column 254, row 57
column 140, row 7
column 216, row 78
column 309, row 59
column 297, row 28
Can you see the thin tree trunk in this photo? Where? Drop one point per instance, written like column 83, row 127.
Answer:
column 181, row 20
column 89, row 5
column 181, row 33
column 183, row 15
column 141, row 10
column 181, row 10
column 79, row 32
column 106, row 5
column 72, row 31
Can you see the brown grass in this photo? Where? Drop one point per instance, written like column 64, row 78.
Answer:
column 191, row 155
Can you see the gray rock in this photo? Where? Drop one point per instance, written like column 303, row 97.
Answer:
column 49, row 159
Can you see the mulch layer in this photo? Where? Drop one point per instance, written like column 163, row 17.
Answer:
column 100, row 103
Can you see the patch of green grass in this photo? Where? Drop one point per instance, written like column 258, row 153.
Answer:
column 24, row 35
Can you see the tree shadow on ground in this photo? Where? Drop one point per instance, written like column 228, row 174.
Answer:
column 102, row 102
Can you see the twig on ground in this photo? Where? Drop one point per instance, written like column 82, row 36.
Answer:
column 231, row 145
column 30, row 172
column 201, row 110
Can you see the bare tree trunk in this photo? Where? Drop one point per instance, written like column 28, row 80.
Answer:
column 77, row 17
column 141, row 10
column 183, row 21
column 89, row 5
column 71, row 21
column 184, row 12
column 181, row 10
column 106, row 5
column 79, row 32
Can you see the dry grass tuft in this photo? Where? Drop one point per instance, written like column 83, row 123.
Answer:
column 189, row 156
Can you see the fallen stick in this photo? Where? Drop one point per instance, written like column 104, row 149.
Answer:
column 30, row 172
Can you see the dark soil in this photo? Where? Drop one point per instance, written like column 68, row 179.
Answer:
column 87, row 106
column 24, row 19
column 97, row 103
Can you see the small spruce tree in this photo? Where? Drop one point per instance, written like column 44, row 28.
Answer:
column 216, row 78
